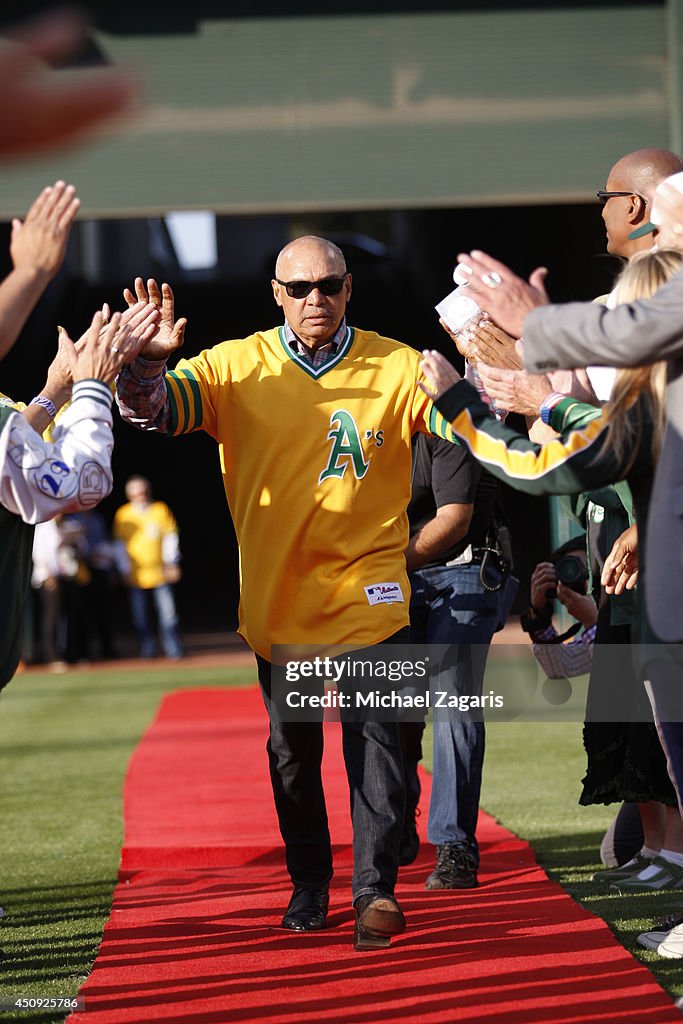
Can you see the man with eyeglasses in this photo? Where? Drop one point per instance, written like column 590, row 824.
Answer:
column 314, row 421
column 627, row 195
column 626, row 209
column 498, row 372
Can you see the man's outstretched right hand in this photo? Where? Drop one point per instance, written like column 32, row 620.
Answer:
column 170, row 332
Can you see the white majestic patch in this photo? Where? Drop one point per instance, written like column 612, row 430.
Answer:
column 384, row 593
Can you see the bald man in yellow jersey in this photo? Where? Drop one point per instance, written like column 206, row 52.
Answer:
column 313, row 420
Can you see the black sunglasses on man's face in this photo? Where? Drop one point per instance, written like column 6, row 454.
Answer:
column 302, row 289
column 604, row 196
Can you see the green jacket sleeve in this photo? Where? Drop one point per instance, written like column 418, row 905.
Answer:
column 576, row 461
column 569, row 414
column 572, row 415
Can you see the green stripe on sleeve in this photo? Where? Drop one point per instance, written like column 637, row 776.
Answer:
column 433, row 420
column 185, row 426
column 197, row 399
column 172, row 405
column 439, row 426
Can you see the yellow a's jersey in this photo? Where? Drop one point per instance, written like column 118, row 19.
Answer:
column 317, row 472
column 142, row 530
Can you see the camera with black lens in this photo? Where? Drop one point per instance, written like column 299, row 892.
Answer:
column 572, row 572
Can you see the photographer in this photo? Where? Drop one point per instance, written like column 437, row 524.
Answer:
column 564, row 577
column 625, row 761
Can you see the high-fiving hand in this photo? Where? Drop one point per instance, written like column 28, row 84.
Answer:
column 39, row 243
column 104, row 349
column 169, row 333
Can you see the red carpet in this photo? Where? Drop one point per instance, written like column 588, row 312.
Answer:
column 194, row 937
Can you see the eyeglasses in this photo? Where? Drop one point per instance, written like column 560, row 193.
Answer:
column 604, row 196
column 302, row 289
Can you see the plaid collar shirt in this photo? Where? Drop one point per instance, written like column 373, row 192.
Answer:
column 319, row 356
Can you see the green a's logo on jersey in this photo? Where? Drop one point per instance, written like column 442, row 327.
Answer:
column 346, row 447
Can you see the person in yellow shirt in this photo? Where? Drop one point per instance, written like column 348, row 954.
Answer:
column 148, row 556
column 313, row 420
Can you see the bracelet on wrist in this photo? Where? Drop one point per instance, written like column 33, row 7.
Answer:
column 46, row 404
column 548, row 404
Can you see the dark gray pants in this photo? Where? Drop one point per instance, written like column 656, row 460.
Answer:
column 374, row 768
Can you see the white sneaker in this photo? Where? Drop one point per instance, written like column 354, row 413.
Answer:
column 672, row 946
column 659, row 931
column 652, row 939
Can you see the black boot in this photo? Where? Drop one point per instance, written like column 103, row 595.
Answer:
column 456, row 868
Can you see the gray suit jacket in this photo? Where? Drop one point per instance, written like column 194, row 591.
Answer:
column 583, row 334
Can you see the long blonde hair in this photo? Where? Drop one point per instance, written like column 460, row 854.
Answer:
column 640, row 279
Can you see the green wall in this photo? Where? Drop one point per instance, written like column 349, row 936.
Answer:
column 396, row 111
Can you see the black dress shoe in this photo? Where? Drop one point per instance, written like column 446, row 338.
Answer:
column 307, row 910
column 378, row 917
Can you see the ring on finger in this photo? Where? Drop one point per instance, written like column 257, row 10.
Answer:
column 491, row 280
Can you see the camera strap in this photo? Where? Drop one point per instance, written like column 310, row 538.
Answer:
column 568, row 633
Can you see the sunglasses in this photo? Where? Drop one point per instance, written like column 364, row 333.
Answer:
column 604, row 196
column 302, row 289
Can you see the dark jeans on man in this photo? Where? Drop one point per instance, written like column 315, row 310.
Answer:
column 374, row 768
column 449, row 605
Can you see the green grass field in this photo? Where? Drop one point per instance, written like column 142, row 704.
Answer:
column 65, row 744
